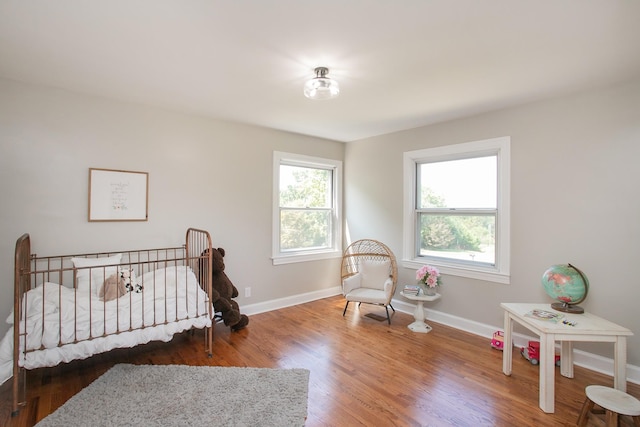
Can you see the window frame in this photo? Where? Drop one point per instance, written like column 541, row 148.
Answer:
column 500, row 147
column 335, row 251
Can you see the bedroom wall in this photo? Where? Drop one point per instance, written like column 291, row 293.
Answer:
column 574, row 194
column 202, row 173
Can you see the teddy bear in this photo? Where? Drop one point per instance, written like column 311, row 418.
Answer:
column 223, row 291
column 112, row 288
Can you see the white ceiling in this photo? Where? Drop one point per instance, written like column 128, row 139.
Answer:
column 400, row 63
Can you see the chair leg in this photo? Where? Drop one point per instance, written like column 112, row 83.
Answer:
column 587, row 406
column 345, row 308
column 394, row 310
column 611, row 418
column 386, row 308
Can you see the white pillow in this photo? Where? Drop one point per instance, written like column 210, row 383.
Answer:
column 374, row 274
column 91, row 272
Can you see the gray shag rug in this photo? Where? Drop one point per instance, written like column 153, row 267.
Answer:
column 178, row 395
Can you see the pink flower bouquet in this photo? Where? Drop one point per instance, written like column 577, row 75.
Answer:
column 429, row 276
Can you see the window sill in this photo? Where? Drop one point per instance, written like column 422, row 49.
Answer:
column 315, row 256
column 488, row 275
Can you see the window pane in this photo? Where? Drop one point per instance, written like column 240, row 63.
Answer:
column 305, row 229
column 302, row 187
column 465, row 183
column 460, row 237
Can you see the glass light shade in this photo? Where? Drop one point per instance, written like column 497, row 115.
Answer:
column 321, row 88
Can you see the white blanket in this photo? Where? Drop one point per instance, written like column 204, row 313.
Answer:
column 56, row 315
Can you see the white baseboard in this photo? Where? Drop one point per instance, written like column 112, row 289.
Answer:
column 581, row 358
column 275, row 304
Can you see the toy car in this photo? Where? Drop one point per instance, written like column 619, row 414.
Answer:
column 498, row 340
column 532, row 353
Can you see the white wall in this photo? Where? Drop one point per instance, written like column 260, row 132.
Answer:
column 202, row 173
column 575, row 198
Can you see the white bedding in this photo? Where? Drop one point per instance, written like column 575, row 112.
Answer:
column 174, row 291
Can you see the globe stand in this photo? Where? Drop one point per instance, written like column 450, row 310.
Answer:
column 567, row 308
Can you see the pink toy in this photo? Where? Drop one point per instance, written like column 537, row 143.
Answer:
column 498, row 340
column 532, row 353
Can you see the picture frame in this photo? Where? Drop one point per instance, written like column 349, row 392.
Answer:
column 118, row 195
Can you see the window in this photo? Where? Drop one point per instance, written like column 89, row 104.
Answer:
column 306, row 214
column 456, row 209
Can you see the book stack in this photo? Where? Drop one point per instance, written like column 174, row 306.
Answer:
column 547, row 316
column 411, row 290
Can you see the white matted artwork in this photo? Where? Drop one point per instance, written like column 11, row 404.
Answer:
column 116, row 195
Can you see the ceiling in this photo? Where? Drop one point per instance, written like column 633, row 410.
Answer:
column 400, row 64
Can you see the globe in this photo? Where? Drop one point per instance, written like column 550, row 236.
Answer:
column 566, row 284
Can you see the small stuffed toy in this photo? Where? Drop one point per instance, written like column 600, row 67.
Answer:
column 112, row 288
column 128, row 275
column 223, row 291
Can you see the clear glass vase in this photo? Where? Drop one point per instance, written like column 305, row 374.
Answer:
column 428, row 290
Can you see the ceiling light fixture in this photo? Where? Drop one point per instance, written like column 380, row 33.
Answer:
column 321, row 86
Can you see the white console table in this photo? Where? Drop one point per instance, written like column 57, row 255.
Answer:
column 419, row 325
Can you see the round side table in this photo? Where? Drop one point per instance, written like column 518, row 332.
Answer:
column 419, row 325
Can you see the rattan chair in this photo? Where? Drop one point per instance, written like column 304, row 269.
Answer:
column 369, row 274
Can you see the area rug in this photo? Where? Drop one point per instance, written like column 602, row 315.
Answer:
column 178, row 395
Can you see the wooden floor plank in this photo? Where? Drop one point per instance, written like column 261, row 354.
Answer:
column 363, row 371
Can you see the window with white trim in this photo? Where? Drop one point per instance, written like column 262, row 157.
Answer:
column 307, row 216
column 456, row 209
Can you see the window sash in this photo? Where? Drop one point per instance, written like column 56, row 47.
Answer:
column 449, row 245
column 300, row 234
column 436, row 174
column 327, row 199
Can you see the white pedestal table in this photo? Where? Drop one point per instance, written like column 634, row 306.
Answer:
column 419, row 325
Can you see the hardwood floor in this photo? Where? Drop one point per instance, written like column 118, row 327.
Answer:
column 363, row 371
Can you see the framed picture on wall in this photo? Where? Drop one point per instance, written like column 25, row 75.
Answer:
column 116, row 195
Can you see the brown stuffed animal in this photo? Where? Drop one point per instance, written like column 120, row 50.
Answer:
column 223, row 291
column 112, row 288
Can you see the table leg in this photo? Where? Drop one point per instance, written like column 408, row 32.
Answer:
column 419, row 324
column 418, row 315
column 620, row 364
column 507, row 350
column 547, row 371
column 566, row 359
